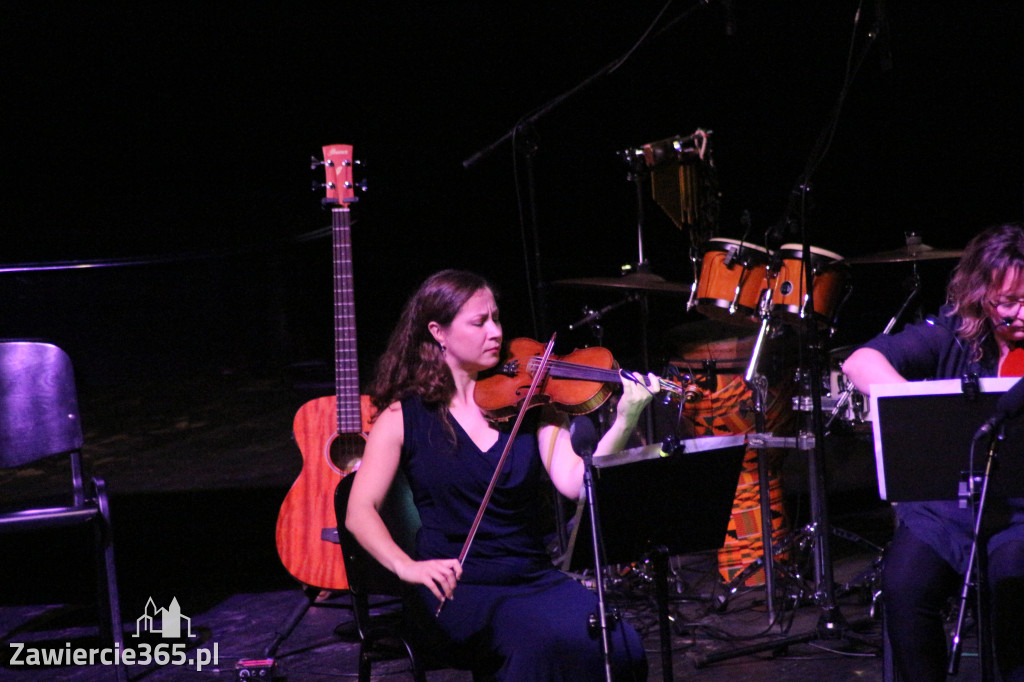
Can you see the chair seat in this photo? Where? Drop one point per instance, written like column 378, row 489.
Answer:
column 43, row 518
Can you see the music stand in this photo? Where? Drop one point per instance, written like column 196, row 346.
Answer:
column 681, row 499
column 662, row 501
column 931, row 426
column 927, row 426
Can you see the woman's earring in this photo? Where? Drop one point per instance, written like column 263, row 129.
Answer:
column 444, row 348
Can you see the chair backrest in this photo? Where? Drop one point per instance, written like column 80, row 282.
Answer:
column 38, row 403
column 365, row 574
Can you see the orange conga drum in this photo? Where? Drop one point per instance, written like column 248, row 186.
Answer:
column 829, row 275
column 733, row 275
column 725, row 406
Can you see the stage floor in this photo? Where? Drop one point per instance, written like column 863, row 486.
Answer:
column 198, row 468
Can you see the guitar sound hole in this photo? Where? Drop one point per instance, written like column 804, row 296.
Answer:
column 346, row 451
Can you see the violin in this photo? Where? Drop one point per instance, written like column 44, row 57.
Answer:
column 577, row 383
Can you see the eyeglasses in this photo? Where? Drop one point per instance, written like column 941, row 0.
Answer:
column 1009, row 306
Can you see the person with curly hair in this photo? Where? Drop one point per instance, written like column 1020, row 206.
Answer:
column 522, row 617
column 974, row 333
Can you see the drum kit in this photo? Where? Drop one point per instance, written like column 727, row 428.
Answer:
column 759, row 293
column 739, row 282
column 742, row 286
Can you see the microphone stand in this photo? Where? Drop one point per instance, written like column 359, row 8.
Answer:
column 831, row 624
column 600, row 621
column 583, row 437
column 525, row 143
column 593, row 317
column 605, row 70
column 976, row 571
column 530, row 149
column 637, row 175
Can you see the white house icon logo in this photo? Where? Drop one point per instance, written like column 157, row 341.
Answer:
column 170, row 620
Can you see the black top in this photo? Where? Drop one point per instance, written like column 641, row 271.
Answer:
column 448, row 482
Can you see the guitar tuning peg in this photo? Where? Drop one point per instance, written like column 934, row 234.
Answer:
column 317, row 186
column 315, row 163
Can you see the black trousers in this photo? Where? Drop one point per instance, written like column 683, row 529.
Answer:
column 916, row 586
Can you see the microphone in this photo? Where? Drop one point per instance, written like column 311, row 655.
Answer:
column 1009, row 405
column 583, row 436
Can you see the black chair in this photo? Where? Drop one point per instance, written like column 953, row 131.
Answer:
column 379, row 632
column 39, row 419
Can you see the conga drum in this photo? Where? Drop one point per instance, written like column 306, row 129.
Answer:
column 733, row 275
column 790, row 299
column 725, row 406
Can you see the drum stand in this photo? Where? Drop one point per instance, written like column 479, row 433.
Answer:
column 758, row 385
column 831, row 624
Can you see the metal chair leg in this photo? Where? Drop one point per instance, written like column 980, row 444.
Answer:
column 106, row 576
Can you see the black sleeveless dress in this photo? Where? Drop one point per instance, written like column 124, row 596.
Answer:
column 512, row 607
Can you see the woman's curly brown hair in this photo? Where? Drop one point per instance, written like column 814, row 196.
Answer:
column 977, row 277
column 412, row 363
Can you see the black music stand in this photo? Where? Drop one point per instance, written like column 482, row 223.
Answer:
column 927, row 426
column 931, row 426
column 661, row 503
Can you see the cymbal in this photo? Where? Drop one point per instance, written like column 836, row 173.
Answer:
column 906, row 254
column 636, row 281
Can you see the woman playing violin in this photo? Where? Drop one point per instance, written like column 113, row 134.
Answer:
column 506, row 601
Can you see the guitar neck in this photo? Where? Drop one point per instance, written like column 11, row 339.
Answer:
column 346, row 359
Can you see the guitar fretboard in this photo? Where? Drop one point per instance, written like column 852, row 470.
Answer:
column 346, row 359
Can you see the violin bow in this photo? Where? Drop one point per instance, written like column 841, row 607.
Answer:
column 538, row 377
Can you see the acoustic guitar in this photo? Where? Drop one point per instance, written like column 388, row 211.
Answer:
column 330, row 431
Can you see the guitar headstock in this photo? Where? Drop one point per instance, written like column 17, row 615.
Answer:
column 339, row 186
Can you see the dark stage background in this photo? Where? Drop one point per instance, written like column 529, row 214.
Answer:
column 177, row 136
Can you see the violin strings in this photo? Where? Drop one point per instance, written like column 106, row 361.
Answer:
column 581, row 372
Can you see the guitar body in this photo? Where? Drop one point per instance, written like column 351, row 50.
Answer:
column 308, row 508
